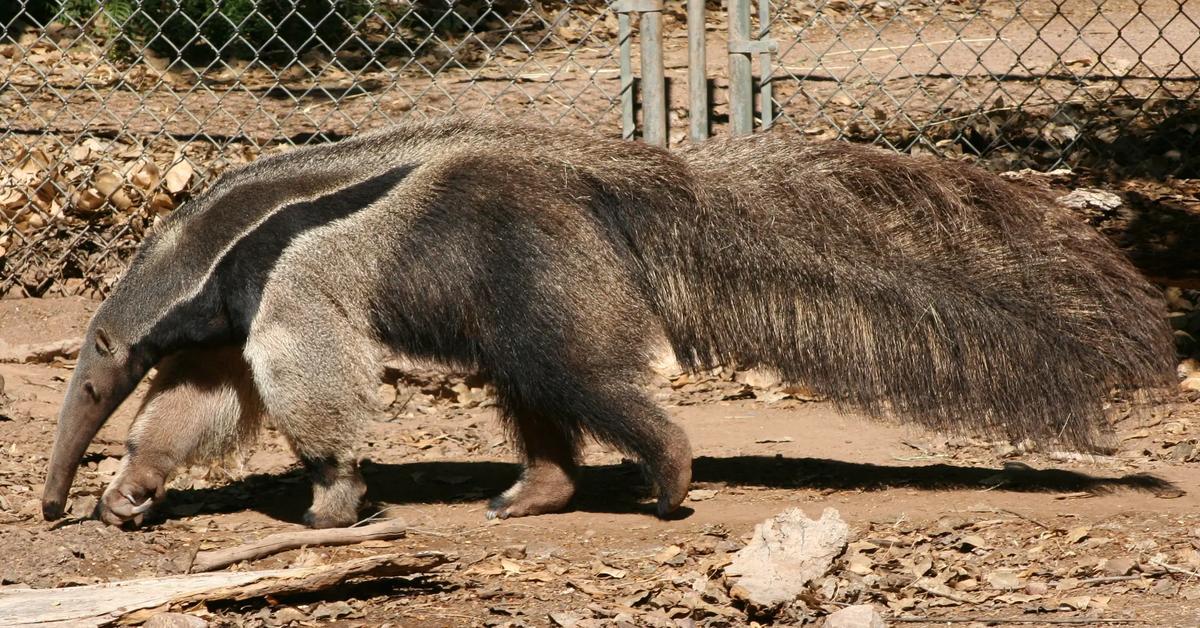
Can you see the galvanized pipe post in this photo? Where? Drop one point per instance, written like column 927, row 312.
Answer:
column 697, row 72
column 741, row 78
column 765, row 90
column 625, row 44
column 654, row 83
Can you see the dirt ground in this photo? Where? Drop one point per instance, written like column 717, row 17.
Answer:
column 942, row 529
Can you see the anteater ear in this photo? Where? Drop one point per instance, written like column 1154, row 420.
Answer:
column 104, row 344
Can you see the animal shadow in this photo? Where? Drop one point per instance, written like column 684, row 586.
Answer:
column 620, row 489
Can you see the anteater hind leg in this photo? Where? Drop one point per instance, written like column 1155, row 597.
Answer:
column 638, row 427
column 616, row 412
column 548, row 481
column 317, row 380
column 201, row 405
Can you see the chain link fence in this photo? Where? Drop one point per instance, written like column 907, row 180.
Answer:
column 111, row 114
column 1040, row 83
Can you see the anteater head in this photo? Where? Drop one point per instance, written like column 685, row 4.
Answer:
column 110, row 366
column 154, row 310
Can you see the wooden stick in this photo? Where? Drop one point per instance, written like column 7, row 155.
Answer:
column 949, row 595
column 1107, row 579
column 1174, row 569
column 283, row 541
column 133, row 601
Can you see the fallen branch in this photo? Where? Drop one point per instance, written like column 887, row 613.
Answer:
column 1174, row 569
column 135, row 600
column 1109, row 579
column 283, row 541
column 949, row 595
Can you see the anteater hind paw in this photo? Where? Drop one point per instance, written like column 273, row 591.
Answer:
column 541, row 490
column 329, row 520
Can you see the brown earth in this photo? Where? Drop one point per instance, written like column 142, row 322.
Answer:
column 922, row 509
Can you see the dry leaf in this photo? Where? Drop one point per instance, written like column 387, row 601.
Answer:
column 1077, row 534
column 859, row 564
column 107, row 182
column 1005, row 579
column 667, row 554
column 1078, row 602
column 89, row 200
column 161, row 203
column 145, row 175
column 606, row 571
column 178, row 176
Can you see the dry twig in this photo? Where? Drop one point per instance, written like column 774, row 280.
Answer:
column 283, row 541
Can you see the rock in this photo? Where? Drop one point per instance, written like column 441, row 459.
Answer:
column 1192, row 383
column 40, row 353
column 108, row 468
column 288, row 615
column 786, row 553
column 565, row 619
column 701, row 494
column 387, row 395
column 83, row 506
column 1091, row 200
column 858, row 616
column 175, row 620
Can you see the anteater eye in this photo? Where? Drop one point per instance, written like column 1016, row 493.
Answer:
column 91, row 391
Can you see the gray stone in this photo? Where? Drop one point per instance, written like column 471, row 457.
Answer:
column 175, row 620
column 786, row 553
column 858, row 616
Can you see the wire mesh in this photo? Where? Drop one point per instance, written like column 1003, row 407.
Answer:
column 112, row 113
column 1034, row 83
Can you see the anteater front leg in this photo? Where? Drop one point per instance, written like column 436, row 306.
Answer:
column 201, row 405
column 316, row 375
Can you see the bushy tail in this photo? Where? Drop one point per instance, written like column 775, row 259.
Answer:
column 919, row 288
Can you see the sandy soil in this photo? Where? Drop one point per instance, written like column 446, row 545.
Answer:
column 434, row 462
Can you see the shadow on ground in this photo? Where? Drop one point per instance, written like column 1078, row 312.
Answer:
column 620, row 489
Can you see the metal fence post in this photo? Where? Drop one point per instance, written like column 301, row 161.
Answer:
column 653, row 81
column 741, row 89
column 654, row 85
column 741, row 77
column 625, row 42
column 697, row 72
column 765, row 91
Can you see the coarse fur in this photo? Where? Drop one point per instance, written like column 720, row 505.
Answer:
column 917, row 287
column 550, row 261
column 201, row 406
